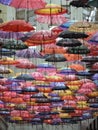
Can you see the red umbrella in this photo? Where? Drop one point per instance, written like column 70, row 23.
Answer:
column 41, row 37
column 16, row 26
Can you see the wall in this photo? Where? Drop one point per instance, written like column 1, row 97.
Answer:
column 8, row 13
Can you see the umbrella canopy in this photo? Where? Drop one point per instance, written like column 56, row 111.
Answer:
column 14, row 44
column 78, row 3
column 68, row 42
column 94, row 39
column 16, row 26
column 5, row 70
column 77, row 67
column 51, row 14
column 25, row 77
column 11, row 35
column 42, row 37
column 6, row 52
column 93, row 3
column 30, row 4
column 86, row 27
column 55, row 58
column 78, row 50
column 90, row 59
column 72, row 34
column 29, row 53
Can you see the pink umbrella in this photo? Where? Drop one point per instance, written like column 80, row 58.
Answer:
column 38, row 75
column 29, row 4
column 88, row 85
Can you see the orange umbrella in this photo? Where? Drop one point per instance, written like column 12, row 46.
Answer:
column 16, row 26
column 77, row 67
column 53, row 49
column 73, row 57
column 8, row 61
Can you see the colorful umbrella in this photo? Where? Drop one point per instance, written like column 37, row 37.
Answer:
column 41, row 37
column 16, row 26
column 30, row 4
column 86, row 27
column 29, row 53
column 11, row 35
column 51, row 14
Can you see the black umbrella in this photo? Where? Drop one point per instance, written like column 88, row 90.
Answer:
column 91, row 59
column 67, row 42
column 78, row 3
column 78, row 50
column 72, row 34
column 55, row 58
column 14, row 44
column 26, row 77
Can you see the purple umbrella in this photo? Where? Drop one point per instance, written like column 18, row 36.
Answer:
column 29, row 53
column 94, row 39
column 11, row 35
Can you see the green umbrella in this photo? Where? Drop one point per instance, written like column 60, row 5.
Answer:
column 93, row 3
column 78, row 50
column 14, row 44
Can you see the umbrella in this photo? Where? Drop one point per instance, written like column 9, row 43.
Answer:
column 94, row 39
column 6, row 52
column 67, row 24
column 86, row 27
column 51, row 14
column 29, row 53
column 11, row 35
column 55, row 58
column 5, row 70
column 14, row 44
column 16, row 26
column 72, row 57
column 30, row 4
column 68, row 42
column 66, row 71
column 78, row 3
column 90, row 59
column 78, row 50
column 57, row 29
column 25, row 65
column 93, row 3
column 77, row 67
column 27, row 77
column 8, row 61
column 41, row 37
column 72, row 34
